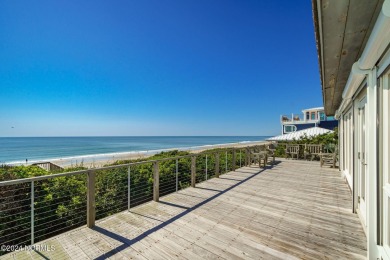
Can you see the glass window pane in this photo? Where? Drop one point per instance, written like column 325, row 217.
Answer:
column 313, row 116
column 322, row 116
column 290, row 128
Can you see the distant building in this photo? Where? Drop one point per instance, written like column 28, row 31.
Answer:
column 312, row 117
column 353, row 42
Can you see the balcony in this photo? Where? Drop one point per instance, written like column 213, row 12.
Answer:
column 290, row 119
column 297, row 119
column 293, row 209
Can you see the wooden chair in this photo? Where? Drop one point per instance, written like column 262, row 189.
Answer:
column 312, row 150
column 259, row 155
column 271, row 153
column 291, row 150
column 329, row 159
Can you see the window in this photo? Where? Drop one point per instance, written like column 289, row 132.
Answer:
column 348, row 145
column 307, row 115
column 386, row 163
column 322, row 116
column 313, row 115
column 290, row 128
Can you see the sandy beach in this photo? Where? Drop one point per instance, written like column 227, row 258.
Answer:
column 99, row 160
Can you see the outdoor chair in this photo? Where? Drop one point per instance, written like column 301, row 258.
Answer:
column 259, row 156
column 292, row 150
column 312, row 150
column 271, row 153
column 329, row 158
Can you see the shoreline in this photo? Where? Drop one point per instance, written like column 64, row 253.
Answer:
column 98, row 160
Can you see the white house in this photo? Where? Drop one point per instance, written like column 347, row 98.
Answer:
column 353, row 39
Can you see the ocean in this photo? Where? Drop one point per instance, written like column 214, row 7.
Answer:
column 15, row 150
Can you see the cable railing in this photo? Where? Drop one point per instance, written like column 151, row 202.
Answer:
column 37, row 208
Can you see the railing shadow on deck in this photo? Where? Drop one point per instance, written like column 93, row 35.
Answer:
column 41, row 220
column 128, row 242
column 41, row 254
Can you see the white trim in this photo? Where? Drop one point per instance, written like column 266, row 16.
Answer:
column 348, row 177
column 384, row 63
column 386, row 166
column 361, row 158
column 294, row 127
column 371, row 159
column 346, row 146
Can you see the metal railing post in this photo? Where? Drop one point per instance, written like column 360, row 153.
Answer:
column 91, row 207
column 234, row 160
column 177, row 174
column 156, row 182
column 240, row 157
column 217, row 165
column 248, row 157
column 32, row 212
column 206, row 167
column 226, row 162
column 128, row 188
column 193, row 171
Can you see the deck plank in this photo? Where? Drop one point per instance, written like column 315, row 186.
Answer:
column 293, row 210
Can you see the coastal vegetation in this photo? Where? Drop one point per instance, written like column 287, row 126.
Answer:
column 329, row 142
column 60, row 203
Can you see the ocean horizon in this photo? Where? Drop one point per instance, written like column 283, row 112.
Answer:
column 15, row 150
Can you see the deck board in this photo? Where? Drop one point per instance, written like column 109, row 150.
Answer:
column 293, row 210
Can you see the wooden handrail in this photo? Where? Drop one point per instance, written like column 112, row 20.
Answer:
column 45, row 177
column 91, row 178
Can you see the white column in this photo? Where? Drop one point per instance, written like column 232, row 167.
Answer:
column 371, row 160
column 341, row 144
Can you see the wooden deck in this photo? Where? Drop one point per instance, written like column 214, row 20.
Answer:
column 292, row 210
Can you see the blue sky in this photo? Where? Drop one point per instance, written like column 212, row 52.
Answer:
column 81, row 68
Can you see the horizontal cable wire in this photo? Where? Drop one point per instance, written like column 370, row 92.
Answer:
column 16, row 232
column 17, row 213
column 26, row 224
column 142, row 202
column 53, row 221
column 70, row 227
column 58, row 203
column 51, row 226
column 16, row 201
column 16, row 238
column 27, row 205
column 55, row 215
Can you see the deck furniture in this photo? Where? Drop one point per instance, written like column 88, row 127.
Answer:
column 328, row 159
column 271, row 153
column 312, row 150
column 329, row 156
column 260, row 157
column 292, row 150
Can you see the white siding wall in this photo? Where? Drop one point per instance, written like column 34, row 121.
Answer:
column 347, row 147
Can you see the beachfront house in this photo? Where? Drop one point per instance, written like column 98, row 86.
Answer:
column 354, row 58
column 312, row 117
